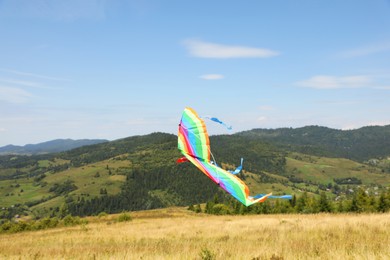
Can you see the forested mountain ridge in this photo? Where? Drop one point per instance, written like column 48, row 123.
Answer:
column 134, row 173
column 359, row 144
column 140, row 172
column 53, row 146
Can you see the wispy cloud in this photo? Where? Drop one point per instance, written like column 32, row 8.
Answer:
column 34, row 75
column 20, row 82
column 203, row 49
column 59, row 10
column 366, row 50
column 14, row 95
column 333, row 82
column 212, row 76
column 26, row 83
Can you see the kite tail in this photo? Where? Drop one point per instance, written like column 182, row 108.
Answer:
column 238, row 169
column 286, row 197
column 218, row 121
column 257, row 198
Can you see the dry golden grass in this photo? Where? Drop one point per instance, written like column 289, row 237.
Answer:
column 176, row 233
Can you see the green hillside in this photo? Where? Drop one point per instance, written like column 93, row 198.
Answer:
column 140, row 172
column 359, row 144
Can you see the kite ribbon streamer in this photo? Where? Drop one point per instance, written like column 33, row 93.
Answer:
column 286, row 197
column 218, row 121
column 238, row 169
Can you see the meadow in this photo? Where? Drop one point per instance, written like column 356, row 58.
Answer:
column 176, row 233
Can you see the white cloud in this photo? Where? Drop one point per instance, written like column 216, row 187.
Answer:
column 2, row 129
column 332, row 82
column 14, row 95
column 262, row 118
column 203, row 49
column 212, row 76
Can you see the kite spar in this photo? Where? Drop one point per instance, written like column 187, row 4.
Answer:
column 194, row 144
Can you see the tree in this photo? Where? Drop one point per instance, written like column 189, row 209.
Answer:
column 323, row 203
column 198, row 209
column 361, row 202
column 301, row 203
column 63, row 210
column 209, row 207
column 293, row 201
column 383, row 203
column 265, row 207
column 221, row 209
column 340, row 206
column 243, row 209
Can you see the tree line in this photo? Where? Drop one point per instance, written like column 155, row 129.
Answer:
column 360, row 202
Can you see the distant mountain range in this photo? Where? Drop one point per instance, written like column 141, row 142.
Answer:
column 357, row 144
column 54, row 146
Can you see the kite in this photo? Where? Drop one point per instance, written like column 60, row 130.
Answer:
column 194, row 144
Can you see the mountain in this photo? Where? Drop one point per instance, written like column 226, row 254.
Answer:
column 134, row 173
column 140, row 172
column 54, row 146
column 359, row 144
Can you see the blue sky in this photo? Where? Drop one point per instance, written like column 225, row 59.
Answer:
column 113, row 69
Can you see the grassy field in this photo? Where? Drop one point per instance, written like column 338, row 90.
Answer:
column 176, row 233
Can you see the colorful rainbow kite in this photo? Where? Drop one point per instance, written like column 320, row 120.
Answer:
column 194, row 144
